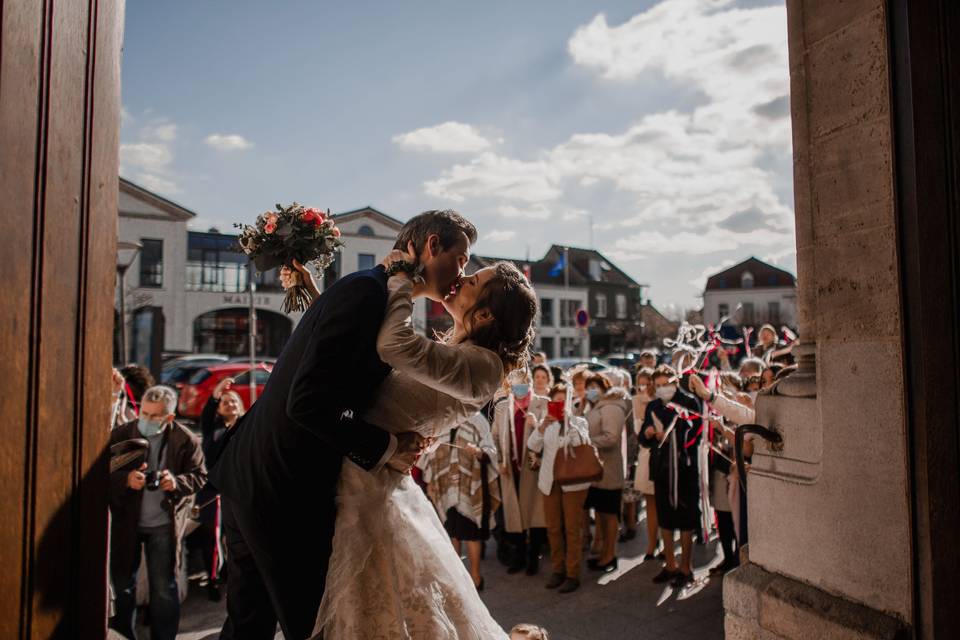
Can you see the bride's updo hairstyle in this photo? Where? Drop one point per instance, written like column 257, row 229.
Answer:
column 513, row 304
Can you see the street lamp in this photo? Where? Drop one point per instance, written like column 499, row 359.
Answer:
column 126, row 254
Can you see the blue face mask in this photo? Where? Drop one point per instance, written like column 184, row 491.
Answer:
column 593, row 394
column 520, row 390
column 149, row 428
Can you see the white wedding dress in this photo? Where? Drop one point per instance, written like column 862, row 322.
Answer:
column 393, row 572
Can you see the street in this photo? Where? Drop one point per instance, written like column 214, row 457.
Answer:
column 624, row 608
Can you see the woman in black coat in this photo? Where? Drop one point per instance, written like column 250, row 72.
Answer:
column 220, row 413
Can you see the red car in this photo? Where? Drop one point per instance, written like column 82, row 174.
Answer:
column 195, row 393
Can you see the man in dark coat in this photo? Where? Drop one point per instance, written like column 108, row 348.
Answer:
column 149, row 508
column 278, row 471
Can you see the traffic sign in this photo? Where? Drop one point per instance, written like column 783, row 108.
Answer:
column 583, row 318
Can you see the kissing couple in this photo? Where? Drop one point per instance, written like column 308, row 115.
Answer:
column 327, row 532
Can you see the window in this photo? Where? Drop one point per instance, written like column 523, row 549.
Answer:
column 215, row 263
column 365, row 230
column 601, row 305
column 260, row 376
column 547, row 346
column 747, row 310
column 773, row 313
column 546, row 312
column 723, row 310
column 151, row 263
column 568, row 312
column 569, row 347
column 746, row 280
column 365, row 261
column 621, row 306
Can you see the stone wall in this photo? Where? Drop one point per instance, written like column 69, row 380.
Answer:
column 831, row 511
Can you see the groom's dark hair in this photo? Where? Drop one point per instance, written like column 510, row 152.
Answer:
column 447, row 224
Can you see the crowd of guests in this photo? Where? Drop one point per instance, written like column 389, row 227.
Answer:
column 665, row 434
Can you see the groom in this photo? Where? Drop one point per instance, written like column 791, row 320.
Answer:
column 278, row 473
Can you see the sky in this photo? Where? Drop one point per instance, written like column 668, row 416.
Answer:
column 656, row 132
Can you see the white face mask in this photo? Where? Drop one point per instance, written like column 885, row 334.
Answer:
column 667, row 392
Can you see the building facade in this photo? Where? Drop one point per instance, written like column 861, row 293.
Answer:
column 751, row 293
column 189, row 291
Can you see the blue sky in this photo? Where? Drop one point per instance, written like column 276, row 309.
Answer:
column 666, row 123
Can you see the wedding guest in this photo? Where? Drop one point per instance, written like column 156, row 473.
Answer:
column 648, row 360
column 578, row 378
column 528, row 632
column 751, row 367
column 221, row 413
column 149, row 508
column 766, row 343
column 606, row 415
column 674, row 465
column 542, row 380
column 620, row 379
column 523, row 516
column 562, row 505
column 461, row 480
column 129, row 383
column 538, row 357
column 643, row 481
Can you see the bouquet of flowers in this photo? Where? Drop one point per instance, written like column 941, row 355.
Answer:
column 291, row 233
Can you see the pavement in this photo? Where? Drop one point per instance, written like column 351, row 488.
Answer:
column 626, row 606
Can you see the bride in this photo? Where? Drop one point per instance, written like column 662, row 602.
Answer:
column 393, row 572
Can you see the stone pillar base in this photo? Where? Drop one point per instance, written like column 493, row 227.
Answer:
column 768, row 606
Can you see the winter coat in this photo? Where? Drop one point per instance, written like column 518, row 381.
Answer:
column 606, row 420
column 522, row 503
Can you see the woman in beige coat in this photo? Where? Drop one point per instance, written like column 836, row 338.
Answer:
column 513, row 422
column 606, row 415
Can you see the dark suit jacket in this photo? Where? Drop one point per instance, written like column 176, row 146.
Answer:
column 280, row 466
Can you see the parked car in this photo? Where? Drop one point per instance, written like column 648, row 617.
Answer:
column 195, row 393
column 177, row 371
column 623, row 360
column 565, row 363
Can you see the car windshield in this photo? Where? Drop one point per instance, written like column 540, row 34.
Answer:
column 199, row 376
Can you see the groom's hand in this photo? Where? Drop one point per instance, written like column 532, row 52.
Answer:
column 409, row 447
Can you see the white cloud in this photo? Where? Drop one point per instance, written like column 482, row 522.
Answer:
column 499, row 235
column 227, row 142
column 147, row 160
column 696, row 181
column 449, row 137
column 493, row 176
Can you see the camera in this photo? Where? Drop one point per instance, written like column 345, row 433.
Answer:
column 153, row 480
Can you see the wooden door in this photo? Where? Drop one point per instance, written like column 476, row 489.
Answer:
column 59, row 136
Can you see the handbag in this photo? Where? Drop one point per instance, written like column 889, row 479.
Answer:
column 577, row 464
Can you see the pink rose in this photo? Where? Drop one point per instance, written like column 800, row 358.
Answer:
column 271, row 218
column 335, row 232
column 269, row 227
column 311, row 215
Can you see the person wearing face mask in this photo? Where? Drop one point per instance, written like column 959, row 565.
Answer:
column 606, row 416
column 643, row 482
column 674, row 467
column 223, row 410
column 513, row 422
column 149, row 508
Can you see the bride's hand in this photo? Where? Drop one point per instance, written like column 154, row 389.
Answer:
column 398, row 255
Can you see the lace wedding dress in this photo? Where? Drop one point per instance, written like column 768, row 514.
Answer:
column 393, row 572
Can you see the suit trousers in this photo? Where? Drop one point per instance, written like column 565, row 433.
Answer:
column 563, row 511
column 250, row 614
